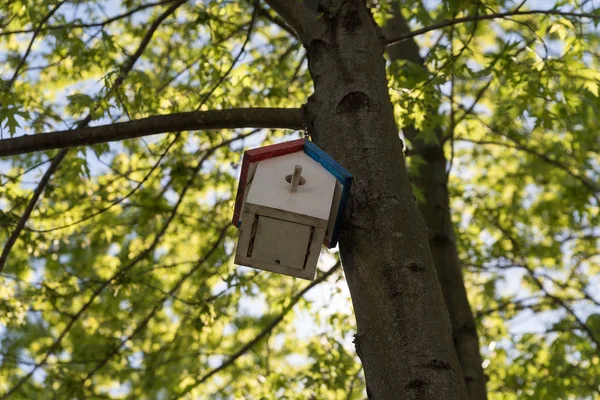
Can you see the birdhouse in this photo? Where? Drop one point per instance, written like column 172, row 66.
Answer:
column 291, row 199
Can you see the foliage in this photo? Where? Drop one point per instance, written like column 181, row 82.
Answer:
column 122, row 284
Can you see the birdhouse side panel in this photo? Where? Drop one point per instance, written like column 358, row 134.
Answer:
column 249, row 168
column 344, row 178
column 313, row 198
column 335, row 205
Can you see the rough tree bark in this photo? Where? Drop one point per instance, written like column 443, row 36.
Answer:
column 404, row 334
column 432, row 179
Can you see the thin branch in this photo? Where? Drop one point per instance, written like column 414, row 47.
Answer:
column 64, row 57
column 172, row 79
column 446, row 23
column 264, row 333
column 61, row 154
column 30, row 45
column 307, row 22
column 143, row 44
column 274, row 118
column 520, row 5
column 511, row 305
column 591, row 185
column 235, row 60
column 199, row 308
column 277, row 20
column 117, row 275
column 138, row 185
column 159, row 304
column 14, row 178
column 478, row 97
column 536, row 280
column 30, row 206
column 561, row 302
column 93, row 24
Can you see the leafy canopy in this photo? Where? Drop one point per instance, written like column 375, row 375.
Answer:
column 122, row 283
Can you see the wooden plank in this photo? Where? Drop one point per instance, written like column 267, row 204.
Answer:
column 341, row 211
column 284, row 215
column 335, row 168
column 241, row 192
column 275, row 150
column 250, row 177
column 306, row 273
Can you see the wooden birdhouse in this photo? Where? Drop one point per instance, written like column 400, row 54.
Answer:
column 291, row 199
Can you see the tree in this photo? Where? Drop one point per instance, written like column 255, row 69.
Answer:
column 116, row 270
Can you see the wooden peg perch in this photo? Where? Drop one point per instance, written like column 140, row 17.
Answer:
column 296, row 176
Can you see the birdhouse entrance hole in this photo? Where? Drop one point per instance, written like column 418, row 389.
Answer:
column 288, row 178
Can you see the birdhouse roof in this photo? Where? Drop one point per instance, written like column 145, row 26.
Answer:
column 253, row 156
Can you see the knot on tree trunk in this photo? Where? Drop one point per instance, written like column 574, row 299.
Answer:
column 357, row 343
column 353, row 102
column 438, row 365
column 415, row 385
column 351, row 21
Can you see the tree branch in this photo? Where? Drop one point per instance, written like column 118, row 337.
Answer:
column 30, row 206
column 91, row 24
column 30, row 45
column 540, row 285
column 158, row 305
column 127, row 67
column 276, row 118
column 590, row 184
column 266, row 331
column 118, row 274
column 306, row 21
column 235, row 60
column 277, row 20
column 451, row 22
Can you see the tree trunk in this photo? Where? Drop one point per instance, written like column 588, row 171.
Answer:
column 404, row 334
column 432, row 179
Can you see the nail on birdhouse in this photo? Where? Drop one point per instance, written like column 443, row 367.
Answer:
column 291, row 199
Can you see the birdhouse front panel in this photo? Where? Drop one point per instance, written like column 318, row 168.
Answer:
column 291, row 198
column 271, row 190
column 280, row 246
column 272, row 245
